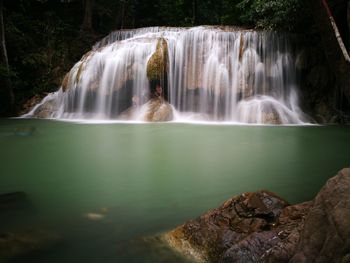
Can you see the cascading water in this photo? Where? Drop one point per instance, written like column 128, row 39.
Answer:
column 212, row 74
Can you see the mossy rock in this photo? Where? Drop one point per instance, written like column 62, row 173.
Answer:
column 157, row 65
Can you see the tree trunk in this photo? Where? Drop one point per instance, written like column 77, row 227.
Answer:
column 336, row 54
column 7, row 89
column 87, row 22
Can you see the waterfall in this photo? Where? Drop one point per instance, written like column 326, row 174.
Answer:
column 212, row 73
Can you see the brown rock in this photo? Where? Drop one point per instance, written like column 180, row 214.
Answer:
column 65, row 82
column 241, row 230
column 158, row 110
column 30, row 104
column 262, row 227
column 157, row 65
column 326, row 234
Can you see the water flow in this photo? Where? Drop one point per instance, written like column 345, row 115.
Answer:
column 214, row 74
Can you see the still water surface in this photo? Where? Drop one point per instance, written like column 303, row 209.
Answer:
column 148, row 178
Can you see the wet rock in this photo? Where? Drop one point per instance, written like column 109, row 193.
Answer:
column 262, row 227
column 241, row 230
column 157, row 65
column 30, row 104
column 65, row 82
column 158, row 110
column 326, row 234
column 14, row 245
column 46, row 109
column 271, row 117
column 155, row 110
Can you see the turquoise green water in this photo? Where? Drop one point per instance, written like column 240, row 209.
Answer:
column 148, row 178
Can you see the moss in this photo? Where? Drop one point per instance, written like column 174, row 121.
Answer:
column 157, row 65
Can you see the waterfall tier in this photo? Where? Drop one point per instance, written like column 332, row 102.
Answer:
column 210, row 73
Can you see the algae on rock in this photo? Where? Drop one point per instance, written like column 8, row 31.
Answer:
column 157, row 65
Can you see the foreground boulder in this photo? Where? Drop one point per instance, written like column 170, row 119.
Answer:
column 262, row 227
column 326, row 233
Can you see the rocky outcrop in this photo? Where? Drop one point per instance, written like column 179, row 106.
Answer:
column 30, row 104
column 262, row 227
column 326, row 233
column 157, row 65
column 46, row 109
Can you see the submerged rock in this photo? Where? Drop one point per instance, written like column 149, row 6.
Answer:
column 262, row 227
column 14, row 245
column 25, row 131
column 97, row 216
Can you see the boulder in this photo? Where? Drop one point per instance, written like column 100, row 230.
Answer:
column 158, row 110
column 326, row 234
column 271, row 117
column 157, row 65
column 262, row 227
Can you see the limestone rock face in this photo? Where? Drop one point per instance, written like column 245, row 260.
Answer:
column 262, row 227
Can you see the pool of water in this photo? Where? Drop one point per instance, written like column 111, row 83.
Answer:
column 143, row 179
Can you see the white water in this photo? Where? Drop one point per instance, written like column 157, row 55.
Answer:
column 215, row 74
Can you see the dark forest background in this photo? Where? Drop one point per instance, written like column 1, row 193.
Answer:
column 42, row 39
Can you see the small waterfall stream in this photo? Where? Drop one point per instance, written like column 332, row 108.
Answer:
column 212, row 74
